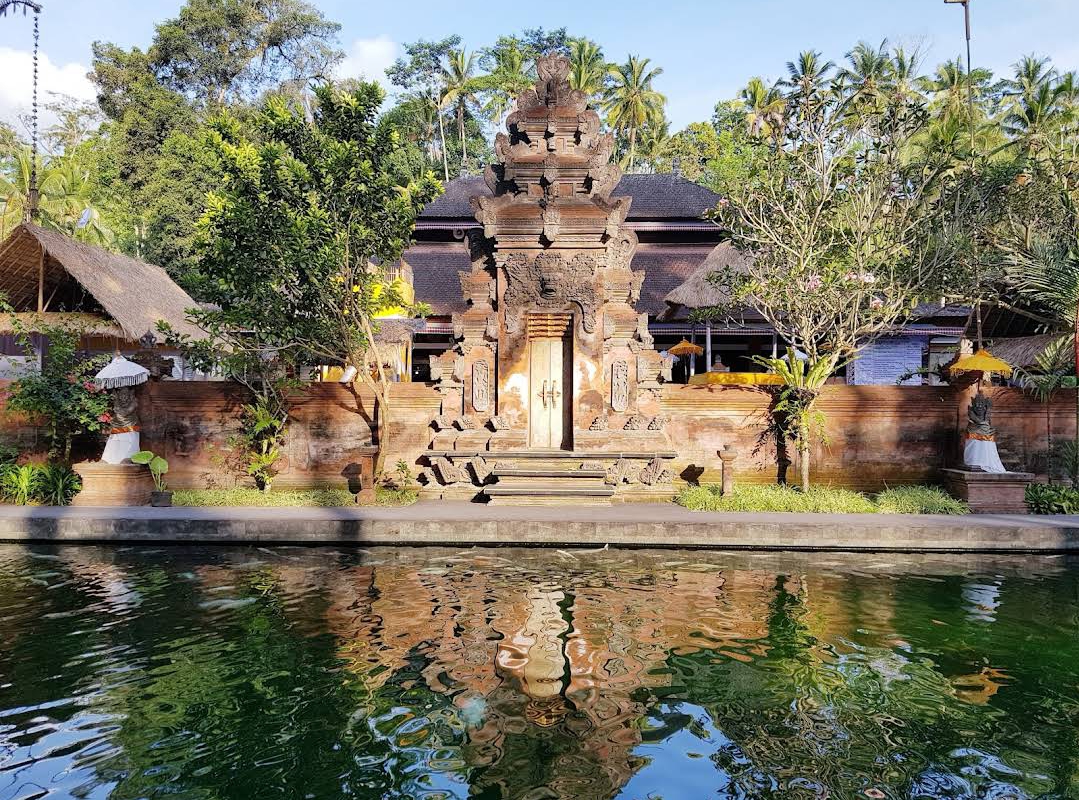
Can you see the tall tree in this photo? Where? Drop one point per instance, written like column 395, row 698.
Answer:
column 765, row 108
column 215, row 51
column 306, row 212
column 808, row 77
column 420, row 71
column 459, row 89
column 508, row 76
column 631, row 101
column 588, row 68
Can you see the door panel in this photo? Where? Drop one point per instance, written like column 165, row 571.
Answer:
column 547, row 393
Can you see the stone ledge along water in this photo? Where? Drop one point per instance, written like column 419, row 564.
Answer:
column 462, row 523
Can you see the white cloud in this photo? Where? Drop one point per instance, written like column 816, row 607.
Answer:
column 16, row 88
column 369, row 58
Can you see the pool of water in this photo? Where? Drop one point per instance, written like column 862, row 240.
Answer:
column 323, row 673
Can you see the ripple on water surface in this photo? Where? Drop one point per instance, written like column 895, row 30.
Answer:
column 322, row 673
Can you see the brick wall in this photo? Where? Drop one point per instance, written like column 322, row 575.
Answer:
column 874, row 435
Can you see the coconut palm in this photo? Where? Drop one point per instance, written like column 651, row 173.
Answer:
column 1028, row 75
column 808, row 77
column 1048, row 275
column 947, row 88
column 868, row 73
column 65, row 198
column 903, row 78
column 631, row 102
column 1035, row 116
column 765, row 108
column 507, row 79
column 587, row 67
column 654, row 141
column 459, row 88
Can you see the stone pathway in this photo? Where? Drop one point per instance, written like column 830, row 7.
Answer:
column 460, row 523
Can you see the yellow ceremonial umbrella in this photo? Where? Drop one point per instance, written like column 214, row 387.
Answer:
column 686, row 348
column 981, row 361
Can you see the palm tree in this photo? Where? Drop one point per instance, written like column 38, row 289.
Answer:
column 868, row 73
column 904, row 78
column 947, row 88
column 654, row 139
column 65, row 200
column 507, row 79
column 808, row 77
column 631, row 101
column 459, row 88
column 1049, row 276
column 765, row 108
column 1035, row 115
column 587, row 69
column 1028, row 75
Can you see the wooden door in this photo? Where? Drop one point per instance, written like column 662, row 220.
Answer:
column 550, row 393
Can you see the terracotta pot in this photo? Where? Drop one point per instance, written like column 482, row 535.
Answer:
column 161, row 499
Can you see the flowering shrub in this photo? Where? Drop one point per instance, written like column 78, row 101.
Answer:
column 62, row 394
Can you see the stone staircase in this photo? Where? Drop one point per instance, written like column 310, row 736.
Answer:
column 552, row 477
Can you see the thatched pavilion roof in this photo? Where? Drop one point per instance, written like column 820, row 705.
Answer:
column 77, row 277
column 84, row 323
column 1023, row 351
column 697, row 291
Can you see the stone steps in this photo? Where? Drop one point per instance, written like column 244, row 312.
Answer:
column 534, row 478
column 548, row 494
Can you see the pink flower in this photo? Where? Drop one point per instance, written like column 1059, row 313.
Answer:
column 876, row 303
column 869, row 277
column 852, row 277
column 72, row 379
column 106, row 417
column 89, row 386
column 813, row 282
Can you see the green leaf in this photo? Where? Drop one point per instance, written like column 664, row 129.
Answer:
column 142, row 457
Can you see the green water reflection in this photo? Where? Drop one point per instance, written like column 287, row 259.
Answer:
column 319, row 673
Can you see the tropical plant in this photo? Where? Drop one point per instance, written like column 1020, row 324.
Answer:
column 587, row 67
column 919, row 500
column 61, row 392
column 156, row 464
column 59, row 483
column 765, row 108
column 21, row 484
column 1049, row 374
column 459, row 89
column 631, row 101
column 808, row 78
column 263, row 434
column 292, row 244
column 1043, row 498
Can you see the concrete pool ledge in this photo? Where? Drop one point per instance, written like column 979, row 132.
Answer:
column 460, row 523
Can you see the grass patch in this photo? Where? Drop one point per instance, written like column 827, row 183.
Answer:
column 919, row 500
column 820, row 500
column 324, row 498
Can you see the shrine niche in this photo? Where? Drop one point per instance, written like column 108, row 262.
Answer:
column 551, row 350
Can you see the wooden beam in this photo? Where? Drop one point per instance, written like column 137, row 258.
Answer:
column 41, row 281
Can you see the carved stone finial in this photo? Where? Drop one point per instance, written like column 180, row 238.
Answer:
column 636, row 423
column 600, row 423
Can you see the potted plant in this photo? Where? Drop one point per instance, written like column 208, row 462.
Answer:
column 161, row 497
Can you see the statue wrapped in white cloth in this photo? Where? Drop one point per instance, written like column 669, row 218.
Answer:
column 980, row 452
column 121, row 377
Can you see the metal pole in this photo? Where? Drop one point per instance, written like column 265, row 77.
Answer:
column 31, row 210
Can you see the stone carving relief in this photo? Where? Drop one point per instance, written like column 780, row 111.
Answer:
column 499, row 423
column 636, row 423
column 481, row 386
column 620, row 386
column 548, row 281
column 481, row 470
column 600, row 423
column 447, row 473
column 622, row 471
column 657, row 424
column 466, row 423
column 655, row 473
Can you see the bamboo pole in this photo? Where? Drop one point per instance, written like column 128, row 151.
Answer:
column 41, row 281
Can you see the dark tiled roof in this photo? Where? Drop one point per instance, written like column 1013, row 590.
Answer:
column 435, row 269
column 655, row 197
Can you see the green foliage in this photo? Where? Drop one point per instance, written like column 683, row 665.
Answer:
column 58, row 484
column 817, row 500
column 919, row 500
column 157, row 465
column 62, row 394
column 310, row 497
column 632, row 102
column 821, row 500
column 1043, row 498
column 21, row 485
column 263, row 430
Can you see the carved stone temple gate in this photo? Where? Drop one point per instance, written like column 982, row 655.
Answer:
column 553, row 388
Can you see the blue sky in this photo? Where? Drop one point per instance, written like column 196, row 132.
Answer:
column 707, row 49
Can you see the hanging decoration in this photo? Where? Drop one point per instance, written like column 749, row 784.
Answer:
column 32, row 192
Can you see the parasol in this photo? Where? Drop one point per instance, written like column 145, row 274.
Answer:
column 121, row 372
column 981, row 361
column 686, row 348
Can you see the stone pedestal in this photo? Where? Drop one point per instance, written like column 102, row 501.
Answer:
column 990, row 492
column 472, row 440
column 509, row 440
column 113, row 484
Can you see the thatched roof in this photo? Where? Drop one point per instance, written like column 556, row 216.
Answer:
column 80, row 322
column 697, row 291
column 1023, row 351
column 395, row 331
column 82, row 278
